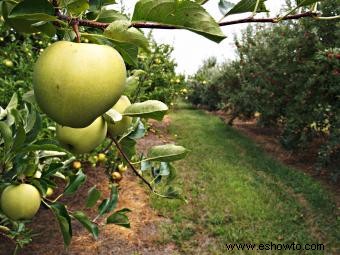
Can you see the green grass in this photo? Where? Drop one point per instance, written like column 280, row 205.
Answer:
column 238, row 194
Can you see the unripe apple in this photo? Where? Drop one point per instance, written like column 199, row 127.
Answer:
column 20, row 202
column 76, row 165
column 118, row 128
column 101, row 157
column 74, row 83
column 117, row 176
column 8, row 63
column 49, row 192
column 82, row 140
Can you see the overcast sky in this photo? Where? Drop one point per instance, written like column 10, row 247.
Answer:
column 191, row 49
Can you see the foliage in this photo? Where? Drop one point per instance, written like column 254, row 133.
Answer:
column 22, row 50
column 287, row 74
column 159, row 80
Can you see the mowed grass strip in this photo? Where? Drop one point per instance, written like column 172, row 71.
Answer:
column 238, row 194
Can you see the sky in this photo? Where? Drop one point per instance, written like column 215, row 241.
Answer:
column 191, row 49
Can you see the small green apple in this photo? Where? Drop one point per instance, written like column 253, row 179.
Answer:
column 118, row 128
column 74, row 83
column 82, row 140
column 20, row 202
column 49, row 192
column 8, row 63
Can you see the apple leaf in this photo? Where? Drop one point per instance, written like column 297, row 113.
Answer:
column 248, row 6
column 84, row 220
column 119, row 218
column 224, row 6
column 305, row 2
column 128, row 51
column 41, row 10
column 166, row 153
column 93, row 196
column 64, row 221
column 112, row 116
column 75, row 7
column 106, row 15
column 6, row 135
column 181, row 14
column 121, row 31
column 102, row 208
column 75, row 182
column 152, row 109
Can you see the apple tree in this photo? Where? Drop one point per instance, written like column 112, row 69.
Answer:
column 79, row 85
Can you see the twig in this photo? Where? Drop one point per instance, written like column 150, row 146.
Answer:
column 131, row 166
column 96, row 24
column 107, row 148
column 75, row 26
column 268, row 20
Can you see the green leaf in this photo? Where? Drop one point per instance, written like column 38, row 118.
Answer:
column 128, row 51
column 6, row 134
column 138, row 132
column 164, row 169
column 224, row 6
column 112, row 116
column 102, row 208
column 75, row 182
column 75, row 7
column 248, row 6
column 305, row 2
column 13, row 103
column 20, row 137
column 181, row 14
column 97, row 4
column 173, row 194
column 38, row 10
column 119, row 218
column 84, row 220
column 64, row 221
column 121, row 31
column 129, row 146
column 33, row 133
column 52, row 169
column 29, row 97
column 41, row 147
column 166, row 153
column 152, row 109
column 201, row 1
column 93, row 196
column 45, row 27
column 107, row 16
column 113, row 199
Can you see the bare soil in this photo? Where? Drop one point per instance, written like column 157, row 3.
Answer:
column 141, row 238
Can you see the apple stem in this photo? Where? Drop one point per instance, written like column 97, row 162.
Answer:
column 75, row 26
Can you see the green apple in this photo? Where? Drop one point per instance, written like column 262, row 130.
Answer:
column 82, row 140
column 74, row 83
column 20, row 202
column 8, row 63
column 118, row 128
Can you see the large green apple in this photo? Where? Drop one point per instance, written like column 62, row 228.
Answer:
column 74, row 83
column 20, row 202
column 82, row 140
column 119, row 127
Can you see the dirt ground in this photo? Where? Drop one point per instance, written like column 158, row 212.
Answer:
column 141, row 238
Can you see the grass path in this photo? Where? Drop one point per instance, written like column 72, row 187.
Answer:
column 238, row 194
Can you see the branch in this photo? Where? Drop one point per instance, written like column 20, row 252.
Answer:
column 269, row 20
column 96, row 24
column 130, row 164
